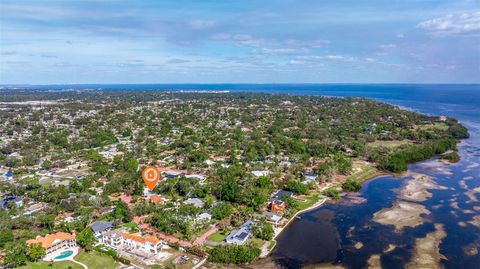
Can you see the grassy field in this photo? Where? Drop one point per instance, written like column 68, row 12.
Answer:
column 437, row 125
column 218, row 236
column 364, row 171
column 272, row 244
column 55, row 265
column 310, row 200
column 257, row 242
column 94, row 259
column 389, row 144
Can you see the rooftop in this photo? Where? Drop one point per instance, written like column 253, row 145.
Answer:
column 50, row 239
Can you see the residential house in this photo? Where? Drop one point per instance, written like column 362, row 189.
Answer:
column 173, row 173
column 121, row 239
column 280, row 194
column 146, row 243
column 54, row 242
column 272, row 218
column 261, row 173
column 195, row 201
column 34, row 208
column 277, row 206
column 101, row 227
column 203, row 218
column 113, row 238
column 239, row 237
column 309, row 177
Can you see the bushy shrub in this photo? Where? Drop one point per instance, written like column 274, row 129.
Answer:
column 351, row 185
column 234, row 254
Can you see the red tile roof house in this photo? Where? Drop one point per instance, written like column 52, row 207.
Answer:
column 56, row 244
column 119, row 239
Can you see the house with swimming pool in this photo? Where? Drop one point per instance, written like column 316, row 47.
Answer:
column 58, row 246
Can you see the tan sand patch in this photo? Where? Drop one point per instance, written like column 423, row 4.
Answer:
column 426, row 253
column 416, row 188
column 454, row 205
column 471, row 194
column 475, row 221
column 374, row 262
column 391, row 247
column 470, row 250
column 401, row 214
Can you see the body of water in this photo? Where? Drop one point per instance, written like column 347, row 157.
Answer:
column 344, row 233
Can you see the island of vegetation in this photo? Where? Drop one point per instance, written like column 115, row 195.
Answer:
column 236, row 167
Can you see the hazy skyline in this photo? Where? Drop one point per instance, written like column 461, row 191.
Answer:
column 413, row 41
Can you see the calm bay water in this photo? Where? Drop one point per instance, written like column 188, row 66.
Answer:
column 328, row 234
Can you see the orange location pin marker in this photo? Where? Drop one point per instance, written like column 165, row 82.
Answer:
column 151, row 176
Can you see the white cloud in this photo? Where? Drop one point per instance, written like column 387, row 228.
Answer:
column 387, row 46
column 284, row 51
column 339, row 58
column 316, row 58
column 464, row 24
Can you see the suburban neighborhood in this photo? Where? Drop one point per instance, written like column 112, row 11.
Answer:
column 235, row 170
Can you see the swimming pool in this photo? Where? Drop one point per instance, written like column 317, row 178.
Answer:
column 64, row 254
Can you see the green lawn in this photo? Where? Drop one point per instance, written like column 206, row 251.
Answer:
column 389, row 144
column 218, row 236
column 437, row 125
column 257, row 242
column 272, row 244
column 132, row 226
column 56, row 265
column 367, row 172
column 309, row 202
column 94, row 259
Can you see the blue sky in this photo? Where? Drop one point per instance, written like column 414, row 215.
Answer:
column 244, row 41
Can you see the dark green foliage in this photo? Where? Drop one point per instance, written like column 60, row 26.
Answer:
column 233, row 254
column 15, row 254
column 296, row 187
column 263, row 230
column 222, row 210
column 86, row 238
column 452, row 157
column 122, row 212
column 351, row 185
column 397, row 162
column 332, row 193
column 35, row 252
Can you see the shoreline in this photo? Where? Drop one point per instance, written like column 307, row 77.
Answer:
column 266, row 252
column 322, row 201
